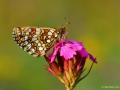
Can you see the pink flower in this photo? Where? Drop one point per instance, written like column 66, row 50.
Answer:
column 67, row 62
column 68, row 49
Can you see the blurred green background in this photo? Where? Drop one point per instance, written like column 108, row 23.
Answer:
column 95, row 22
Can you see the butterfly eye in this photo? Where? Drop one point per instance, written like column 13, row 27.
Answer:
column 36, row 41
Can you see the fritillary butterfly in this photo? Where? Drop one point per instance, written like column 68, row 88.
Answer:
column 37, row 40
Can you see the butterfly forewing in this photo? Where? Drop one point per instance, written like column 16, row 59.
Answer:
column 35, row 41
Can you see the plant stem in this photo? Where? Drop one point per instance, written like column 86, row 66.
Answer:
column 68, row 89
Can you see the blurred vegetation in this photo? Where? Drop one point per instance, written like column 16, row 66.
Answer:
column 94, row 22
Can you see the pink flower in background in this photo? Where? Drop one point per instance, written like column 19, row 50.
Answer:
column 67, row 62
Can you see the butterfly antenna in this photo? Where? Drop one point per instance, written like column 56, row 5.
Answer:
column 66, row 22
column 63, row 28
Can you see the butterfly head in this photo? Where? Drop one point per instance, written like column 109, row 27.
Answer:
column 62, row 32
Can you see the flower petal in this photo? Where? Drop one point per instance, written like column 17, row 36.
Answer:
column 54, row 54
column 75, row 42
column 92, row 58
column 75, row 47
column 67, row 52
column 83, row 53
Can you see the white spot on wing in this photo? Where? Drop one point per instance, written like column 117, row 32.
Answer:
column 27, row 33
column 37, row 41
column 26, row 42
column 35, row 36
column 43, row 45
column 56, row 35
column 48, row 41
column 50, row 33
column 30, row 52
column 26, row 37
column 34, row 39
column 40, row 48
column 39, row 44
column 52, row 30
column 49, row 36
column 37, row 31
column 29, row 46
column 33, row 50
column 29, row 30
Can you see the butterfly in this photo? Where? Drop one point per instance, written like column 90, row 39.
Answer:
column 37, row 41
